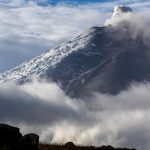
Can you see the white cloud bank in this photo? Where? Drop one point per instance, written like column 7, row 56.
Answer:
column 27, row 29
column 42, row 107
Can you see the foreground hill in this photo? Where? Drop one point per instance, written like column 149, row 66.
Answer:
column 12, row 139
column 71, row 146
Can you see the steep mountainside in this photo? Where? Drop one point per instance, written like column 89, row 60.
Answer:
column 105, row 59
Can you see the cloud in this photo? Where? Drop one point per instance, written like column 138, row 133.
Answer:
column 28, row 29
column 34, row 104
column 136, row 23
column 121, row 120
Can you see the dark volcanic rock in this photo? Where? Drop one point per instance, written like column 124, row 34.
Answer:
column 11, row 139
column 30, row 141
column 107, row 148
column 69, row 145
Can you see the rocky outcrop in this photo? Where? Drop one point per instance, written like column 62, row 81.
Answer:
column 30, row 141
column 70, row 145
column 12, row 139
column 107, row 148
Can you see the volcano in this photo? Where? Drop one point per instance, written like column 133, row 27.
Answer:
column 104, row 59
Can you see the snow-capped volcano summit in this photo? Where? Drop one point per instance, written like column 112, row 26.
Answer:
column 120, row 13
column 105, row 59
column 120, row 9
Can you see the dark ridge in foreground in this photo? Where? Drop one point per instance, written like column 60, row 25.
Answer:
column 12, row 139
column 71, row 146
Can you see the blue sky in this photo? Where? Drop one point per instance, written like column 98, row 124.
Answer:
column 54, row 2
column 67, row 1
column 73, row 2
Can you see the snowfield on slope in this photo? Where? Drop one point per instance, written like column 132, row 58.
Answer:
column 39, row 64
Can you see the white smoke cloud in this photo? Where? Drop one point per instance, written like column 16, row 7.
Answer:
column 121, row 120
column 137, row 23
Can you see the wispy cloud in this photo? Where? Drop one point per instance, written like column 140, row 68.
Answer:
column 28, row 30
column 121, row 120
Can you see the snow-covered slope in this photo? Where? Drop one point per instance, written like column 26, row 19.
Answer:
column 50, row 59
